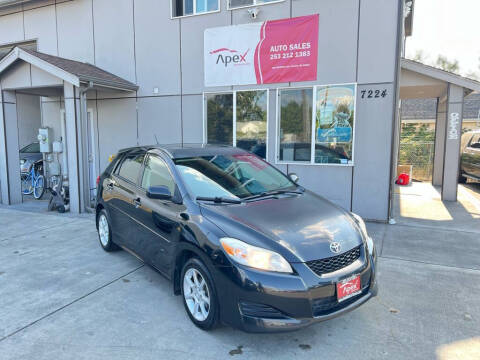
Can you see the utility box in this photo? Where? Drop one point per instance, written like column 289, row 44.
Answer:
column 57, row 147
column 44, row 139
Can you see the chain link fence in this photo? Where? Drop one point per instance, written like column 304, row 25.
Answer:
column 420, row 156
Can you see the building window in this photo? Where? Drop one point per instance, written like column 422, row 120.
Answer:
column 220, row 119
column 193, row 7
column 235, row 4
column 329, row 140
column 295, row 135
column 238, row 118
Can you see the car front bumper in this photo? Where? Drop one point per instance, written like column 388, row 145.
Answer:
column 257, row 301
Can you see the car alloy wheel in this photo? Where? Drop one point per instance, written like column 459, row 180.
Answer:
column 196, row 294
column 103, row 230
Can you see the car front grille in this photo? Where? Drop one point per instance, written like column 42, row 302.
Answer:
column 334, row 263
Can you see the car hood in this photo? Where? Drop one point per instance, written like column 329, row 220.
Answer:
column 299, row 227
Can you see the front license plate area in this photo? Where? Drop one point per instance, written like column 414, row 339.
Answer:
column 348, row 288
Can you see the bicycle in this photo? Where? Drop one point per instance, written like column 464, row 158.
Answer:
column 33, row 182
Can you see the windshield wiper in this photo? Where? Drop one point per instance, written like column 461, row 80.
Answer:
column 272, row 193
column 218, row 200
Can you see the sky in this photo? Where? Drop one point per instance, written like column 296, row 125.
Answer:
column 447, row 27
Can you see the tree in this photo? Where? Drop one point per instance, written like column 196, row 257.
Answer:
column 447, row 65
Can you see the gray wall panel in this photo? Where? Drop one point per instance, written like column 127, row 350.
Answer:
column 51, row 117
column 377, row 41
column 192, row 29
column 29, row 119
column 114, row 39
column 41, row 78
column 11, row 28
column 71, row 17
column 17, row 76
column 117, row 127
column 192, row 119
column 337, row 42
column 332, row 182
column 157, row 48
column 373, row 138
column 159, row 116
column 41, row 24
column 270, row 12
column 272, row 127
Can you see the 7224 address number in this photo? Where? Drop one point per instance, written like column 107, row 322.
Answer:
column 374, row 94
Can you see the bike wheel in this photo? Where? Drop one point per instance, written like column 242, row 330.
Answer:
column 27, row 186
column 39, row 187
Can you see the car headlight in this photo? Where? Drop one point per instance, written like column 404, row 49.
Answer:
column 255, row 257
column 361, row 224
column 363, row 229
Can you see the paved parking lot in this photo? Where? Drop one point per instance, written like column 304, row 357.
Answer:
column 62, row 297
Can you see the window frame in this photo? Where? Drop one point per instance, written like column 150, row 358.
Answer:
column 254, row 4
column 234, row 110
column 313, row 137
column 194, row 10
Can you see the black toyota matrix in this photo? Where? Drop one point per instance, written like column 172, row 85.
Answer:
column 242, row 243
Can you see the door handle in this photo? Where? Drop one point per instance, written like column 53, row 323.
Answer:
column 137, row 202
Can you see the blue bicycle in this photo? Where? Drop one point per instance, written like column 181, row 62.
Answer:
column 33, row 182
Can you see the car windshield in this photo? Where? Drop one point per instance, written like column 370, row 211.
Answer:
column 231, row 176
column 32, row 148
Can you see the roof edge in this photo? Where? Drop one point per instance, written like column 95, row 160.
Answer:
column 440, row 74
column 19, row 54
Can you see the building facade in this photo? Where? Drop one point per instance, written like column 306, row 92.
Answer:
column 158, row 45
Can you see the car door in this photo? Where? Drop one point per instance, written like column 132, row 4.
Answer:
column 158, row 221
column 121, row 189
column 473, row 156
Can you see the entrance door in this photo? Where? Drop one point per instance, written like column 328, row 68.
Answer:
column 92, row 171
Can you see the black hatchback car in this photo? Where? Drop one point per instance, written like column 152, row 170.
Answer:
column 242, row 242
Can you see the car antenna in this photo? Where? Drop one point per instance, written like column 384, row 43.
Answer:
column 156, row 138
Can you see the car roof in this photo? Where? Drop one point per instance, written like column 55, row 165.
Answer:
column 177, row 151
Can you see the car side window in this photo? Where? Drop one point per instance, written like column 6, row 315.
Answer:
column 156, row 173
column 475, row 142
column 130, row 167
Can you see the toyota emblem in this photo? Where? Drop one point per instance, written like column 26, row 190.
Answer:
column 335, row 247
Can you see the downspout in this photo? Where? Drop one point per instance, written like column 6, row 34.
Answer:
column 85, row 186
column 395, row 139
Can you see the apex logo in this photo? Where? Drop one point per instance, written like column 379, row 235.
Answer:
column 224, row 59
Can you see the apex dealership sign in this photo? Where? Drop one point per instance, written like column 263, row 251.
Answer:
column 262, row 53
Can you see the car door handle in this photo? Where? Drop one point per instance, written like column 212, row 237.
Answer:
column 137, row 202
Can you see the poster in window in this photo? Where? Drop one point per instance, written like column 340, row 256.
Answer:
column 335, row 122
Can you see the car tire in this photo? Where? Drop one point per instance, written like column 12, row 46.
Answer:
column 462, row 179
column 105, row 232
column 206, row 318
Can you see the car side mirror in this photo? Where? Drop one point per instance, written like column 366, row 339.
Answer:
column 294, row 177
column 159, row 192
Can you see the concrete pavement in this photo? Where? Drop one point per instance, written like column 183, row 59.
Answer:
column 62, row 297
